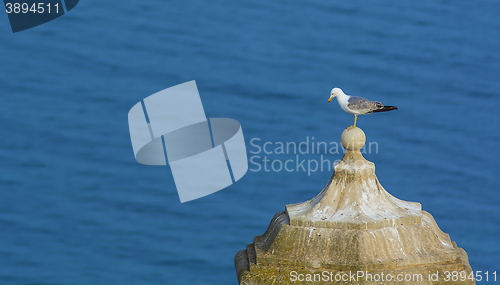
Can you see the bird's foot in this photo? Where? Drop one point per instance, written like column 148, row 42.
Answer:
column 351, row 127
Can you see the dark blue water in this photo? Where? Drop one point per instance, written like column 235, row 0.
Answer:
column 75, row 206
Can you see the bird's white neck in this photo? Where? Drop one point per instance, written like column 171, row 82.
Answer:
column 342, row 97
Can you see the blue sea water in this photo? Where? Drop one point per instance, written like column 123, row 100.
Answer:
column 76, row 208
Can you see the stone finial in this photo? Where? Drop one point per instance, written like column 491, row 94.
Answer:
column 353, row 225
column 354, row 198
column 353, row 139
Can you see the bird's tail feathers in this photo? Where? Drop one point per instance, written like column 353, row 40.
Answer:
column 385, row 109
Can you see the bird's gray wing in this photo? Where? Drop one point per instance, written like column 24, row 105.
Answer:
column 363, row 105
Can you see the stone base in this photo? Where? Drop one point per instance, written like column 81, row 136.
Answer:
column 423, row 274
column 407, row 254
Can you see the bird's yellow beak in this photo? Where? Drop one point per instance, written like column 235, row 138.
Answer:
column 330, row 99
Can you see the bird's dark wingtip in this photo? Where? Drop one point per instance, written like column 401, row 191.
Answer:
column 385, row 109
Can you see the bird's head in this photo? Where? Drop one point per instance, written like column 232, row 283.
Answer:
column 335, row 92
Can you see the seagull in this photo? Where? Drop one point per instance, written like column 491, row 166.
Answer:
column 358, row 105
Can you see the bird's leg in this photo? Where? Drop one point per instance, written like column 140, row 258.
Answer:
column 353, row 126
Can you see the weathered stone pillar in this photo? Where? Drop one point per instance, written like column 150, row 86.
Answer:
column 353, row 232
